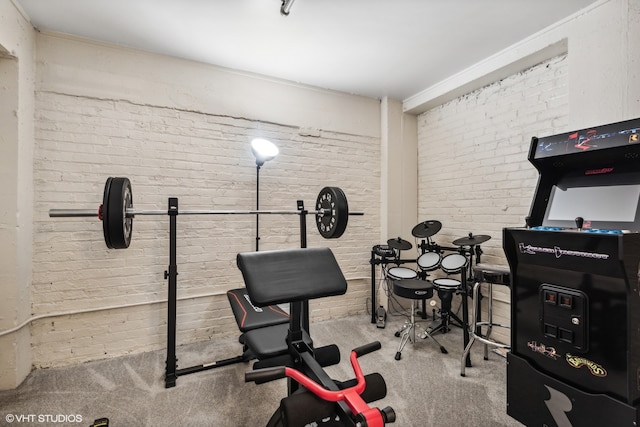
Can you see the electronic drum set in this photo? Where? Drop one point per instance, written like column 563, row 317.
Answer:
column 450, row 260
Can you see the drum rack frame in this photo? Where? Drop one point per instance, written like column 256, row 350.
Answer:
column 429, row 246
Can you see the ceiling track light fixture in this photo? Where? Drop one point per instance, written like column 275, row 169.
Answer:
column 286, row 7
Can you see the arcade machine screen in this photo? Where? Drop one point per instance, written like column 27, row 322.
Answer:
column 609, row 204
column 575, row 297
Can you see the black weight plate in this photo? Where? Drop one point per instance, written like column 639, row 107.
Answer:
column 119, row 226
column 334, row 224
column 105, row 212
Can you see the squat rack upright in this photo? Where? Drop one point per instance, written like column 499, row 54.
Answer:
column 171, row 274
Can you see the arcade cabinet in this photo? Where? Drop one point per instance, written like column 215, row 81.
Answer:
column 575, row 297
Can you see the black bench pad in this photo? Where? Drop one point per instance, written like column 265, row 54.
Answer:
column 249, row 317
column 271, row 341
column 291, row 275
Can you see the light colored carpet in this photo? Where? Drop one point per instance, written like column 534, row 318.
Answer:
column 424, row 387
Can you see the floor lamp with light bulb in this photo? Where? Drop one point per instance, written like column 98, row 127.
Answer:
column 263, row 150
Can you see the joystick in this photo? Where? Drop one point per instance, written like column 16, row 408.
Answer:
column 579, row 223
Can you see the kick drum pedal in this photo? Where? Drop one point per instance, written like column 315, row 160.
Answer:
column 381, row 317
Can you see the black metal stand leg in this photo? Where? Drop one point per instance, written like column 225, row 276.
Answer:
column 443, row 326
column 425, row 334
column 445, row 312
column 373, row 288
column 465, row 315
column 172, row 275
column 456, row 320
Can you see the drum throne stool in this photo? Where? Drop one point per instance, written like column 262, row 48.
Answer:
column 489, row 274
column 413, row 289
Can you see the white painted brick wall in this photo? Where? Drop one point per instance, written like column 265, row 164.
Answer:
column 206, row 161
column 474, row 175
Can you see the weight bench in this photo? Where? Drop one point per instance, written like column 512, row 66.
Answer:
column 295, row 277
column 269, row 343
column 249, row 317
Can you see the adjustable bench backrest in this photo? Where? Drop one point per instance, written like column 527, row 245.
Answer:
column 292, row 275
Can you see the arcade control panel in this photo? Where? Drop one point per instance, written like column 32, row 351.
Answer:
column 590, row 230
column 564, row 311
column 579, row 228
column 564, row 315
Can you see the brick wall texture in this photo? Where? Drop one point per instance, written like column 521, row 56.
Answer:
column 473, row 173
column 473, row 177
column 205, row 160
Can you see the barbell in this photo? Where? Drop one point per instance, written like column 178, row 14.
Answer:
column 117, row 213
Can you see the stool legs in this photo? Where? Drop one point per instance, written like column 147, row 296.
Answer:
column 409, row 333
column 476, row 326
column 489, row 324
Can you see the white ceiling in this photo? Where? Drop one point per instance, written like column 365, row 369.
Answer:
column 376, row 48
